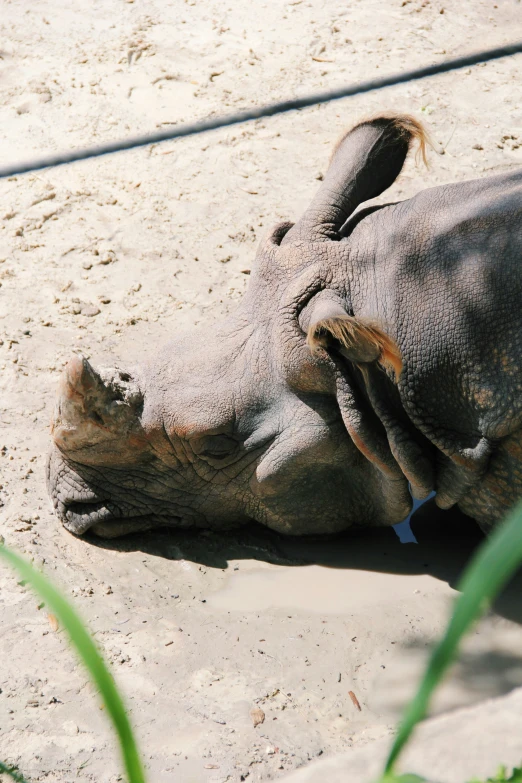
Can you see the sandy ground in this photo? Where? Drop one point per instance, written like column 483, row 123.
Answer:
column 108, row 258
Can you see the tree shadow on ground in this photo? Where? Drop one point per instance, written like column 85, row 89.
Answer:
column 445, row 541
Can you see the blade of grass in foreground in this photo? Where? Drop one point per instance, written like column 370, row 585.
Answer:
column 13, row 773
column 491, row 567
column 90, row 656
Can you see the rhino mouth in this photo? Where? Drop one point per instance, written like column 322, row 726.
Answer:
column 79, row 516
column 95, row 516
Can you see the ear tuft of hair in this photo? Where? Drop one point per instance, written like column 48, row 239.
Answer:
column 358, row 339
column 398, row 127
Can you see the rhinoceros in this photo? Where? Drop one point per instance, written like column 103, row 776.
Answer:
column 376, row 351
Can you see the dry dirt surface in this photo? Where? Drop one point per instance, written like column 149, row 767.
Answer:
column 107, row 258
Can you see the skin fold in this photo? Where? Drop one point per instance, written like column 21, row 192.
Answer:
column 372, row 352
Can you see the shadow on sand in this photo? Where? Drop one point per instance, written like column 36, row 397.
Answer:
column 445, row 542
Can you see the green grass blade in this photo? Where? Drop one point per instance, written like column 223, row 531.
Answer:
column 501, row 776
column 495, row 562
column 13, row 773
column 90, row 656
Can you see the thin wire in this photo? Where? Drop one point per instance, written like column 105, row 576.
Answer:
column 191, row 129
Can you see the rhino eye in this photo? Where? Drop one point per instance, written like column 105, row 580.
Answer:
column 215, row 446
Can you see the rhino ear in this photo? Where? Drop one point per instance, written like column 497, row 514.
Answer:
column 366, row 161
column 374, row 419
column 360, row 340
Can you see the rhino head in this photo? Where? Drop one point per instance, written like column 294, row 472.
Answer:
column 267, row 416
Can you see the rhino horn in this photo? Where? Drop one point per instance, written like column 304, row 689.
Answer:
column 82, row 398
column 95, row 407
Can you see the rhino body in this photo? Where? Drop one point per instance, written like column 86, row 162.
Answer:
column 375, row 351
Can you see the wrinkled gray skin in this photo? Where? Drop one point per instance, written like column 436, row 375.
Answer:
column 241, row 421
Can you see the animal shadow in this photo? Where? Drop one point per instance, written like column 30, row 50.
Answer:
column 441, row 545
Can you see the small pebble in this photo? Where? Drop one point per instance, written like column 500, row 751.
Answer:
column 107, row 258
column 257, row 715
column 90, row 311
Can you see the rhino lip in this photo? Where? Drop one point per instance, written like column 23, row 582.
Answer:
column 79, row 516
column 94, row 516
